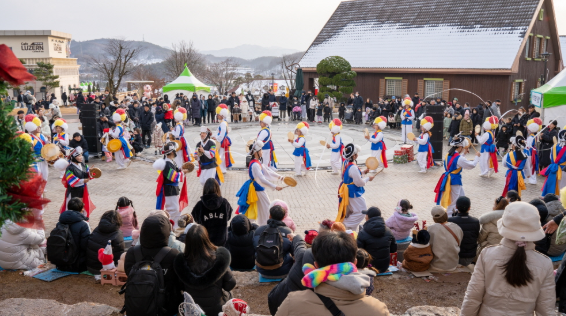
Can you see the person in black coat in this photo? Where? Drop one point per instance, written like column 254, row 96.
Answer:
column 213, row 212
column 376, row 238
column 454, row 128
column 546, row 142
column 64, row 98
column 292, row 282
column 211, row 108
column 542, row 245
column 195, row 109
column 471, row 228
column 502, row 139
column 519, row 122
column 154, row 236
column 108, row 229
column 146, row 121
column 476, row 120
column 160, row 118
column 533, row 112
column 78, row 226
column 79, row 141
column 265, row 102
column 276, row 215
column 283, row 106
column 240, row 243
column 204, row 271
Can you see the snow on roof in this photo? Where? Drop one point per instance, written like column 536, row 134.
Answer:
column 563, row 47
column 428, row 34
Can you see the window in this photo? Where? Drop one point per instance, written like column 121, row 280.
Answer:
column 528, row 48
column 393, row 86
column 541, row 14
column 517, row 90
column 536, row 48
column 433, row 88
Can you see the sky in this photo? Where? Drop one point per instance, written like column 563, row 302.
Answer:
column 211, row 24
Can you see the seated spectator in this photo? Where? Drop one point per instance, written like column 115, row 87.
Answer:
column 80, row 230
column 363, row 260
column 79, row 141
column 471, row 228
column 108, row 230
column 377, row 239
column 213, row 212
column 154, row 236
column 418, row 255
column 184, row 222
column 125, row 207
column 338, row 227
column 335, row 251
column 204, row 271
column 287, row 220
column 445, row 239
column 402, row 222
column 555, row 208
column 542, row 245
column 325, row 225
column 512, row 278
column 489, row 235
column 240, row 243
column 173, row 242
column 20, row 247
column 136, row 141
column 285, row 261
column 513, row 196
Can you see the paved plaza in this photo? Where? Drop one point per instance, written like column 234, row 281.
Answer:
column 311, row 201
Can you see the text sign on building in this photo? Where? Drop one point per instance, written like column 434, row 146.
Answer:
column 58, row 45
column 536, row 99
column 36, row 47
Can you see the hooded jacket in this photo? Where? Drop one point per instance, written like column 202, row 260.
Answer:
column 240, row 243
column 154, row 235
column 207, row 289
column 287, row 248
column 105, row 231
column 554, row 207
column 471, row 228
column 348, row 293
column 489, row 235
column 146, row 119
column 542, row 245
column 129, row 220
column 400, row 225
column 417, row 257
column 19, row 247
column 81, row 232
column 445, row 248
column 195, row 107
column 160, row 118
column 213, row 212
column 378, row 241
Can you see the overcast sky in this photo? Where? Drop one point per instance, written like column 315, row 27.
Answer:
column 211, row 24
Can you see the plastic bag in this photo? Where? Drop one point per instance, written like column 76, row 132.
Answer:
column 561, row 233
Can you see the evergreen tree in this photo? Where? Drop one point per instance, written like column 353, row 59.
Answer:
column 336, row 77
column 44, row 73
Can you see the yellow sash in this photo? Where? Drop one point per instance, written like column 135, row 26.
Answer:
column 520, row 180
column 218, row 170
column 251, row 213
column 344, row 193
column 446, row 196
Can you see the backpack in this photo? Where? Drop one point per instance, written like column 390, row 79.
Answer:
column 269, row 251
column 61, row 247
column 145, row 288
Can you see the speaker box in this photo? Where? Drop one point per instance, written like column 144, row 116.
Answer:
column 89, row 116
column 436, row 140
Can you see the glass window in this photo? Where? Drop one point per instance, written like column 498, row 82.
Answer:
column 536, row 50
column 517, row 90
column 543, row 47
column 433, row 89
column 393, row 87
column 528, row 47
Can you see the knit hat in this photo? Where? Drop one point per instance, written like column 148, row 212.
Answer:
column 372, row 212
column 520, row 222
column 180, row 114
column 235, row 307
column 439, row 214
column 303, row 127
column 427, row 123
column 310, row 235
column 266, row 117
column 534, row 125
column 421, row 238
column 222, row 110
column 549, row 197
column 380, row 121
column 335, row 126
column 491, row 123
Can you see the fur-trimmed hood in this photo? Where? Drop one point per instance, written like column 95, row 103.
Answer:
column 491, row 216
column 210, row 276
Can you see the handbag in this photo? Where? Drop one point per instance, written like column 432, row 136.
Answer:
column 451, row 232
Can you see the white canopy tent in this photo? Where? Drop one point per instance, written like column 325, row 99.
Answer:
column 186, row 83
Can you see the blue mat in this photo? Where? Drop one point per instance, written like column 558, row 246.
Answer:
column 266, row 280
column 557, row 258
column 402, row 241
column 243, row 270
column 53, row 274
column 128, row 238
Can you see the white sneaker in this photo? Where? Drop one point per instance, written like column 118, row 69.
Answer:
column 490, row 173
column 422, row 171
column 120, row 168
column 483, row 175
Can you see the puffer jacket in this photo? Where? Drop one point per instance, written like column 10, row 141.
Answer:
column 378, row 241
column 240, row 243
column 400, row 225
column 208, row 289
column 80, row 230
column 213, row 212
column 445, row 247
column 129, row 220
column 489, row 294
column 554, row 208
column 19, row 247
column 105, row 231
column 417, row 257
column 542, row 245
column 471, row 228
column 489, row 235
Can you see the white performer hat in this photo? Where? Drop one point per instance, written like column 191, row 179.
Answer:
column 266, row 117
column 255, row 147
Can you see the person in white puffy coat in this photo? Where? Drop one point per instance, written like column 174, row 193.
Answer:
column 20, row 247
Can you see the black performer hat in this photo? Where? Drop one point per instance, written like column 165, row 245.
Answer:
column 169, row 148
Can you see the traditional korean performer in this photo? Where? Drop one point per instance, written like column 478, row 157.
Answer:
column 32, row 126
column 534, row 126
column 424, row 155
column 123, row 155
column 183, row 153
column 450, row 186
column 253, row 200
column 488, row 158
column 407, row 117
column 269, row 157
column 516, row 162
column 224, row 154
column 301, row 153
column 336, row 146
column 378, row 148
column 554, row 173
column 61, row 138
column 351, row 190
column 208, row 158
column 77, row 175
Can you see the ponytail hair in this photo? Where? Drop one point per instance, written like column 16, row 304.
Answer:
column 513, row 196
column 123, row 202
column 516, row 271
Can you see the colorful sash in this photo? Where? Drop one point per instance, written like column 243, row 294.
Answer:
column 89, row 207
column 225, row 144
column 406, row 115
column 428, row 149
column 126, row 147
column 59, row 137
column 38, row 143
column 450, row 177
column 514, row 177
column 269, row 145
column 160, row 192
column 553, row 172
column 184, row 146
column 304, row 152
column 380, row 146
column 340, row 148
column 489, row 147
column 347, row 190
column 247, row 195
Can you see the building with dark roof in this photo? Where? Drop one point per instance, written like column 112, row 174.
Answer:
column 492, row 48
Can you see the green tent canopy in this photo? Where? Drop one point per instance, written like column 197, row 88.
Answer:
column 186, row 82
column 551, row 94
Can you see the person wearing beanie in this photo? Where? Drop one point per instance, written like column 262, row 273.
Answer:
column 471, row 228
column 512, row 278
column 336, row 146
column 240, row 243
column 351, row 200
column 301, row 152
column 376, row 238
column 378, row 148
column 208, row 158
column 418, row 255
column 450, row 186
column 407, row 116
column 264, row 135
column 516, row 163
column 445, row 239
column 554, row 173
column 222, row 138
column 489, row 235
column 424, row 156
column 287, row 219
column 488, row 158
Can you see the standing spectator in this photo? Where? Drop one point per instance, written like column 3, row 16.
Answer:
column 376, row 238
column 454, row 128
column 203, row 109
column 233, row 101
column 72, row 98
column 108, row 230
column 471, row 228
column 546, row 143
column 495, row 108
column 512, row 278
column 240, row 243
column 466, row 125
column 80, row 230
column 272, row 99
column 146, row 122
column 29, row 101
column 195, row 109
column 533, row 112
column 342, row 112
column 158, row 138
column 445, row 239
column 476, row 120
column 502, row 139
column 107, row 98
column 283, row 106
column 244, row 108
column 447, row 123
column 204, row 271
column 45, row 128
column 54, row 108
column 519, row 122
column 79, row 141
column 160, row 118
column 489, row 235
column 310, row 111
column 317, row 109
column 21, row 99
column 358, row 101
column 213, row 212
column 369, row 104
column 20, row 121
column 211, row 109
column 487, row 110
column 80, row 99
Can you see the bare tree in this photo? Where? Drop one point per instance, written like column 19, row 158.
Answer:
column 222, row 75
column 286, row 65
column 116, row 62
column 183, row 54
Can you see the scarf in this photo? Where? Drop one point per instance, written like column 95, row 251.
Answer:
column 314, row 277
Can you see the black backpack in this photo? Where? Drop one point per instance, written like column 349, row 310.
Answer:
column 61, row 247
column 145, row 288
column 269, row 251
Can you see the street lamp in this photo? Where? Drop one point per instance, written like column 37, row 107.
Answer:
column 544, row 56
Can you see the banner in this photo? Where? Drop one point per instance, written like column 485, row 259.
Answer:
column 536, row 99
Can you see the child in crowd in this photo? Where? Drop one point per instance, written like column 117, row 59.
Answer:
column 287, row 219
column 104, row 140
column 108, row 229
column 418, row 255
column 363, row 264
column 391, row 121
column 327, row 113
column 319, row 107
column 447, row 122
column 185, row 222
column 240, row 243
column 342, row 112
column 157, row 138
column 325, row 225
column 296, row 111
column 125, row 207
column 401, row 222
column 502, row 139
column 358, row 116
